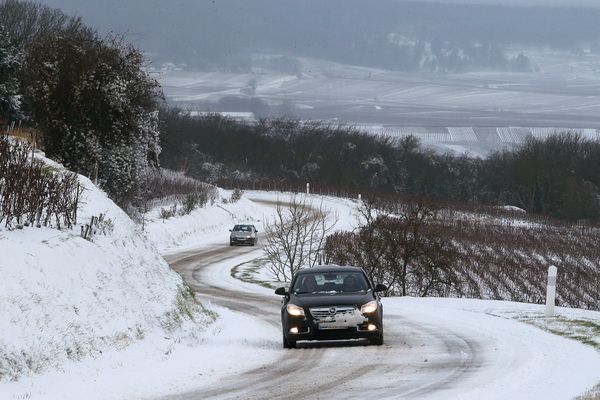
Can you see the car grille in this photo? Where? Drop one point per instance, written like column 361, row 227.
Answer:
column 331, row 314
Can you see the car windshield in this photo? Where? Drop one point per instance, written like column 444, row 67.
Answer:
column 243, row 228
column 330, row 282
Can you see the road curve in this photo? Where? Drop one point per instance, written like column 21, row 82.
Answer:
column 416, row 361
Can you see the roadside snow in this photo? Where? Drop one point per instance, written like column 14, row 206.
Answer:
column 517, row 361
column 64, row 298
column 158, row 366
column 345, row 211
column 203, row 224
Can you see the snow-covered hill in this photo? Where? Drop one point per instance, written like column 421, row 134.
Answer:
column 63, row 297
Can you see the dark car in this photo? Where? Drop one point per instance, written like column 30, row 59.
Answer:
column 331, row 303
column 243, row 234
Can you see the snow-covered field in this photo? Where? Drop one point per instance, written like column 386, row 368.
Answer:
column 493, row 354
column 449, row 112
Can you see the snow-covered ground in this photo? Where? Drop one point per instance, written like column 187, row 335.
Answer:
column 203, row 224
column 503, row 356
column 64, row 298
column 156, row 366
column 518, row 361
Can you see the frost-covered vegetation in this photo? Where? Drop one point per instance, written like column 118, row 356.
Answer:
column 421, row 248
column 90, row 96
column 539, row 176
column 33, row 193
column 181, row 193
column 10, row 63
column 95, row 284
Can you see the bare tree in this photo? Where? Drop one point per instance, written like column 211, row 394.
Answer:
column 296, row 236
column 399, row 244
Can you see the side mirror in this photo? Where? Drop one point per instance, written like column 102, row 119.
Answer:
column 230, row 230
column 380, row 288
column 281, row 291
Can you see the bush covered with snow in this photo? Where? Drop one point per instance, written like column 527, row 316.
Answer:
column 90, row 97
column 10, row 91
column 96, row 106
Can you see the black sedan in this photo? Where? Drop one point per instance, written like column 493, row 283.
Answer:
column 331, row 303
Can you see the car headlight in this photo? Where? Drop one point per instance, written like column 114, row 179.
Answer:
column 369, row 308
column 295, row 311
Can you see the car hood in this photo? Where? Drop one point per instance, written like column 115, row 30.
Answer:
column 316, row 300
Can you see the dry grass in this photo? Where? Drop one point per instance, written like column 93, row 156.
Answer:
column 167, row 187
column 30, row 136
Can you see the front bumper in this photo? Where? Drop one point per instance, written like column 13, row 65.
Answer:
column 308, row 329
column 241, row 240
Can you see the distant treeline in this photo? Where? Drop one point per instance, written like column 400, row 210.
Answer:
column 558, row 176
column 400, row 35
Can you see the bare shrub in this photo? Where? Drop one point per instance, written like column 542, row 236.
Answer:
column 33, row 194
column 168, row 187
column 397, row 246
column 236, row 195
column 167, row 213
column 296, row 237
column 484, row 255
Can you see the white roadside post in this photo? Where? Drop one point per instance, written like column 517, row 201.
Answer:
column 551, row 291
column 308, row 188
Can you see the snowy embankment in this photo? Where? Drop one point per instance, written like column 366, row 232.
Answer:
column 64, row 298
column 98, row 319
column 203, row 224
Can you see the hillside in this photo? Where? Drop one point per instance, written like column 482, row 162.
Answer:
column 66, row 298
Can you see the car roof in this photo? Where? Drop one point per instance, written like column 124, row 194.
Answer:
column 330, row 268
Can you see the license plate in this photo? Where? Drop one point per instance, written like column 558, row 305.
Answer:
column 333, row 325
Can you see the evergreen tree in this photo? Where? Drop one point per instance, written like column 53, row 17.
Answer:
column 97, row 108
column 10, row 65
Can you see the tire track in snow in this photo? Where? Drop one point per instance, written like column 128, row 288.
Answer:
column 329, row 370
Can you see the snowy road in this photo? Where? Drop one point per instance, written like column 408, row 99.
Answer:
column 435, row 348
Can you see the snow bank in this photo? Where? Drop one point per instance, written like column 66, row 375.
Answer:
column 158, row 366
column 203, row 224
column 65, row 298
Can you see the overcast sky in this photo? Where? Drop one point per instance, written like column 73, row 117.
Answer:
column 376, row 33
column 571, row 3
